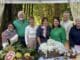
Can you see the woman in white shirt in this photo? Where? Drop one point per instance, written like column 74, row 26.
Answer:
column 30, row 34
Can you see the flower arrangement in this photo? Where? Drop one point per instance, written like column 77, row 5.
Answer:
column 71, row 53
column 52, row 48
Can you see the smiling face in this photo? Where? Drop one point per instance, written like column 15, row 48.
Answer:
column 45, row 22
column 21, row 15
column 77, row 21
column 10, row 27
column 31, row 21
column 56, row 23
column 66, row 16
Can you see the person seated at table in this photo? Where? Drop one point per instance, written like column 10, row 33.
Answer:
column 43, row 31
column 58, row 32
column 30, row 34
column 8, row 34
column 74, row 34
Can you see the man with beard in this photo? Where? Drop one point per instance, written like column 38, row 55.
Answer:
column 20, row 25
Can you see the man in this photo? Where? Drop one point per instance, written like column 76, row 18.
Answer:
column 8, row 34
column 66, row 24
column 74, row 35
column 20, row 25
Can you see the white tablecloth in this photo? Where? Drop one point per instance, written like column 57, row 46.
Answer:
column 58, row 58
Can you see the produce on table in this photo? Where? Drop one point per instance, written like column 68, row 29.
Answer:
column 48, row 49
column 18, row 55
column 22, row 53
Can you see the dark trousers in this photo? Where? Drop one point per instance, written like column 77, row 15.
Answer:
column 22, row 41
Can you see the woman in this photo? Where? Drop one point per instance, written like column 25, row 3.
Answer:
column 43, row 31
column 58, row 33
column 30, row 34
column 8, row 34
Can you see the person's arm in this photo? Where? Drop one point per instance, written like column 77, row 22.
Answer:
column 38, row 40
column 70, row 26
column 4, row 37
column 63, row 36
column 49, row 31
column 26, row 36
column 71, row 42
column 38, row 35
column 14, row 23
column 4, row 40
column 51, row 34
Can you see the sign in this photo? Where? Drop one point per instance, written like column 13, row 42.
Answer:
column 10, row 55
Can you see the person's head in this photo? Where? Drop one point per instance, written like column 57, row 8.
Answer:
column 44, row 21
column 77, row 22
column 10, row 27
column 56, row 22
column 31, row 20
column 21, row 15
column 66, row 15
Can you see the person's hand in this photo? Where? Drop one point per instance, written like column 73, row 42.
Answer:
column 28, row 46
column 67, row 45
column 39, row 43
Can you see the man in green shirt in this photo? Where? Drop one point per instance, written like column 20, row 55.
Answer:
column 20, row 25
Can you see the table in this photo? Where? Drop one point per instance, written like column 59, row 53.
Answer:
column 57, row 58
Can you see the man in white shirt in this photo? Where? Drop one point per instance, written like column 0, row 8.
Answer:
column 67, row 24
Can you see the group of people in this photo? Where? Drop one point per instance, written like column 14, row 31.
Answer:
column 31, row 35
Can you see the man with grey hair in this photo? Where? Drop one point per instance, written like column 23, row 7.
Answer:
column 20, row 25
column 74, row 35
column 66, row 23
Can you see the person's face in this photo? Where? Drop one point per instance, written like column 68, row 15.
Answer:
column 31, row 21
column 77, row 23
column 56, row 23
column 10, row 27
column 45, row 22
column 65, row 16
column 21, row 16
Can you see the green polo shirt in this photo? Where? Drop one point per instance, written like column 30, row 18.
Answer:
column 58, row 34
column 20, row 27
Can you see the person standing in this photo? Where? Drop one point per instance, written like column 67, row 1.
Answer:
column 58, row 32
column 66, row 23
column 30, row 34
column 20, row 25
column 74, row 35
column 43, row 31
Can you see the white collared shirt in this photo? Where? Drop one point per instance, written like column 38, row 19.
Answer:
column 67, row 26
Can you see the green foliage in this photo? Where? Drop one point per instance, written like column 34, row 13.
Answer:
column 44, row 10
column 18, row 47
column 36, row 10
column 2, row 54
